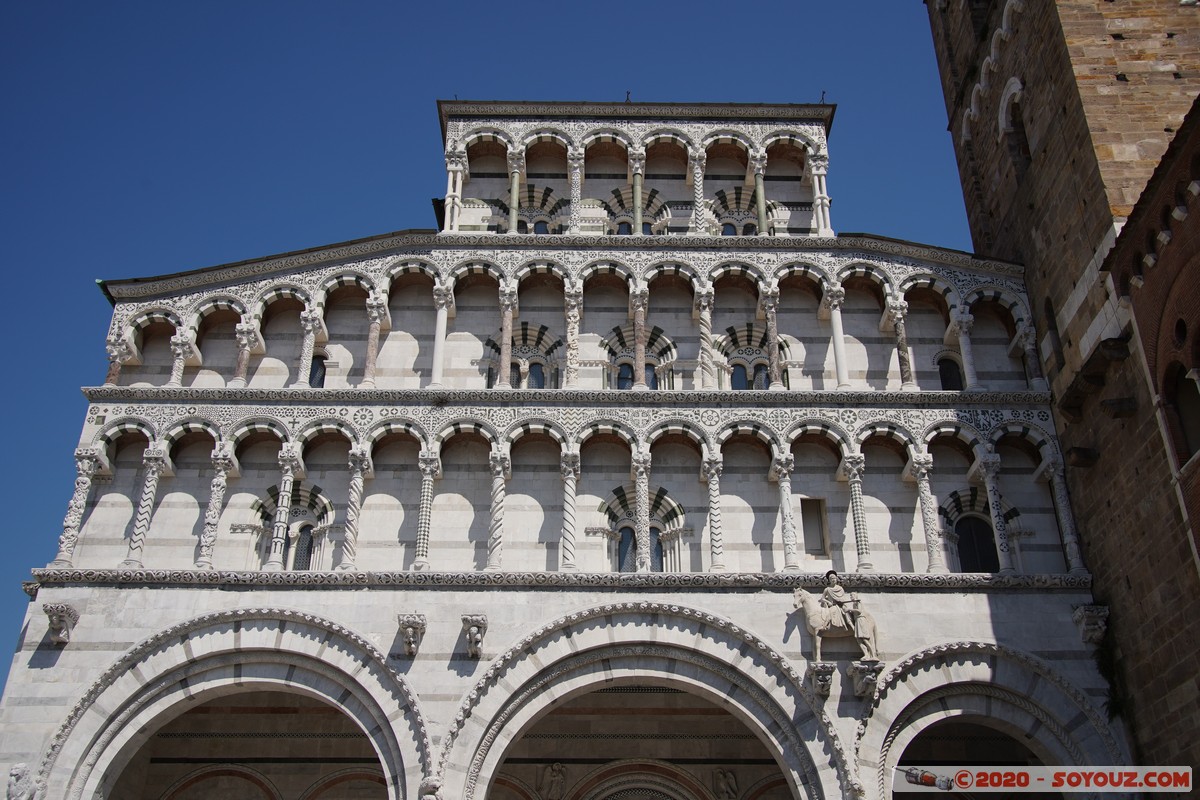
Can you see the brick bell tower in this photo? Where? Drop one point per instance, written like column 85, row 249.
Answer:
column 1060, row 114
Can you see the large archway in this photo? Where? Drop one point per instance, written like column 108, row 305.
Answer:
column 262, row 744
column 972, row 741
column 638, row 740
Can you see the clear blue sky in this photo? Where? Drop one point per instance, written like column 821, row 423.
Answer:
column 143, row 138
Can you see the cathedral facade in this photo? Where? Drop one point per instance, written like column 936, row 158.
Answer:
column 631, row 480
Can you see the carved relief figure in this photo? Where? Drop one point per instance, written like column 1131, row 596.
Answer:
column 20, row 783
column 837, row 613
column 725, row 784
column 554, row 779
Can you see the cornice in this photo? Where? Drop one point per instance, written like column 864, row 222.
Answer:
column 956, row 582
column 417, row 244
column 567, row 397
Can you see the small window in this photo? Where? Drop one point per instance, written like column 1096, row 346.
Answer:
column 749, row 229
column 951, row 374
column 738, row 380
column 316, row 373
column 624, row 229
column 976, row 545
column 302, row 562
column 541, row 227
column 627, row 551
column 651, row 377
column 656, row 551
column 646, row 229
column 514, row 375
column 522, row 226
column 729, row 229
column 762, row 376
column 537, row 376
column 1185, row 398
column 625, row 376
column 812, row 520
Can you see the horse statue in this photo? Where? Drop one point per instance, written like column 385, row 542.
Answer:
column 837, row 613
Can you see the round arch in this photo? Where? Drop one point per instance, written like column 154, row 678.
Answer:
column 390, row 426
column 607, row 426
column 476, row 426
column 885, row 430
column 802, row 269
column 600, row 135
column 872, row 272
column 1002, row 297
column 606, row 267
column 678, row 427
column 212, row 305
column 728, row 136
column 405, row 267
column 823, row 428
column 1027, row 432
column 547, row 427
column 955, row 430
column 228, row 652
column 280, row 292
column 542, row 267
column 486, row 134
column 472, row 267
column 795, row 137
column 328, row 425
column 670, row 645
column 966, row 678
column 548, row 134
column 759, row 430
column 934, row 283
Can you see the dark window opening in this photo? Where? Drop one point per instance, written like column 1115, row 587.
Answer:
column 951, row 375
column 627, row 551
column 624, row 229
column 729, row 229
column 1018, row 141
column 749, row 229
column 976, row 546
column 625, row 376
column 316, row 373
column 541, row 227
column 537, row 376
column 762, row 377
column 304, row 550
column 651, row 377
column 522, row 226
column 738, row 379
column 646, row 229
column 514, row 375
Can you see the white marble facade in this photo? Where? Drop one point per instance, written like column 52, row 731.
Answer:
column 516, row 509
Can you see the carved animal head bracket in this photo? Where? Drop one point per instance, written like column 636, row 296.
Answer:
column 412, row 627
column 865, row 675
column 474, row 626
column 820, row 676
column 1092, row 622
column 62, row 618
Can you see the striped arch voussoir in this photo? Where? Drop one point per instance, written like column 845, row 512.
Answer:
column 933, row 283
column 738, row 200
column 466, row 268
column 750, row 334
column 212, row 305
column 822, row 428
column 279, row 293
column 872, row 273
column 954, row 430
column 728, row 137
column 146, row 318
column 607, row 427
column 304, row 494
column 487, row 135
column 1032, row 434
column 621, row 339
column 810, row 271
column 792, row 137
column 667, row 136
column 755, row 429
column 542, row 268
column 749, row 271
column 885, row 430
column 325, row 426
column 673, row 268
column 252, row 427
column 606, row 268
column 604, row 136
column 334, row 282
column 663, row 507
column 466, row 426
column 973, row 500
column 1001, row 297
column 184, row 427
column 677, row 428
column 548, row 135
column 118, row 428
column 388, row 427
column 408, row 266
column 544, row 427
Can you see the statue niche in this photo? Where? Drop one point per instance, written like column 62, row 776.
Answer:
column 837, row 613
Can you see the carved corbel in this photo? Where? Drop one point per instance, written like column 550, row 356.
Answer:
column 1092, row 622
column 820, row 676
column 865, row 675
column 62, row 618
column 412, row 628
column 474, row 627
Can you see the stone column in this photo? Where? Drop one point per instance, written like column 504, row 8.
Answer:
column 87, row 461
column 637, row 165
column 222, row 463
column 310, row 323
column 573, row 310
column 922, row 468
column 377, row 309
column 770, row 302
column 501, row 468
column 1027, row 339
column 640, row 462
column 154, row 464
column 853, row 466
column 575, row 161
column 704, row 309
column 639, row 298
column 443, row 300
column 758, row 163
column 696, row 162
column 360, row 465
column 119, row 352
column 962, row 323
column 289, row 465
column 516, row 165
column 897, row 311
column 1066, row 520
column 818, row 165
column 246, row 332
column 989, row 466
column 181, row 348
column 832, row 301
column 569, row 468
column 456, row 168
column 431, row 468
column 710, row 470
column 508, row 307
column 781, row 470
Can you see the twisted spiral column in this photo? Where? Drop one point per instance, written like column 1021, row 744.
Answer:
column 359, row 464
column 289, row 464
column 782, row 469
column 704, row 309
column 431, row 468
column 310, row 321
column 87, row 461
column 222, row 463
column 641, row 529
column 569, row 468
column 696, row 162
column 500, row 466
column 711, row 470
column 922, row 468
column 154, row 463
column 854, row 466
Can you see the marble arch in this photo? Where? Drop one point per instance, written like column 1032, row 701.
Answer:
column 671, row 645
column 224, row 653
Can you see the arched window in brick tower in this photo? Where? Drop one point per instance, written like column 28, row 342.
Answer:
column 1183, row 398
column 1015, row 138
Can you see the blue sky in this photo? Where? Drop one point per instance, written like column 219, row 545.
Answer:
column 143, row 138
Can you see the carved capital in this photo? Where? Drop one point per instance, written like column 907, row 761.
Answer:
column 818, row 163
column 87, row 461
column 508, row 298
column 820, row 677
column 758, row 162
column 430, row 465
column 962, row 321
column 289, row 459
column 154, row 461
column 782, row 466
column 834, row 297
column 637, row 160
column 377, row 305
column 712, row 468
column 569, row 465
column 854, row 466
column 516, row 161
column 639, row 299
column 62, row 618
column 412, row 629
column 704, row 298
column 989, row 465
column 222, row 459
column 575, row 160
column 640, row 464
column 181, row 345
column 310, row 321
column 1092, row 622
column 897, row 310
column 921, row 466
column 474, row 629
column 769, row 299
column 697, row 159
column 499, row 464
column 247, row 334
column 359, row 461
column 119, row 351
